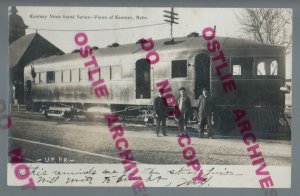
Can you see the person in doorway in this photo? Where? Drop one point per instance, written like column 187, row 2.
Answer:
column 161, row 112
column 205, row 105
column 184, row 105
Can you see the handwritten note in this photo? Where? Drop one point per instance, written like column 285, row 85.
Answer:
column 153, row 175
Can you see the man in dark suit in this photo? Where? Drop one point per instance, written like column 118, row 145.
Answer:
column 161, row 111
column 205, row 105
column 184, row 105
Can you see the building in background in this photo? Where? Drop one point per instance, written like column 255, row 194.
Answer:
column 23, row 49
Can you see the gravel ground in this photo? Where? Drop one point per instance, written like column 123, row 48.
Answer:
column 94, row 137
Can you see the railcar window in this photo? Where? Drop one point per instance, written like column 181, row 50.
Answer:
column 58, row 77
column 274, row 68
column 179, row 69
column 261, row 69
column 84, row 74
column 38, row 77
column 128, row 73
column 50, row 77
column 115, row 72
column 42, row 77
column 236, row 70
column 245, row 63
column 96, row 76
column 105, row 72
column 267, row 67
column 66, row 76
column 75, row 75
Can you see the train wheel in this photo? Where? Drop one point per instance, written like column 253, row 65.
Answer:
column 68, row 115
column 89, row 116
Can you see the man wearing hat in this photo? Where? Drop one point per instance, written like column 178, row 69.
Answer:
column 205, row 105
column 184, row 105
column 161, row 112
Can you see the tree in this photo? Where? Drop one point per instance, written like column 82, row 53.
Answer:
column 270, row 26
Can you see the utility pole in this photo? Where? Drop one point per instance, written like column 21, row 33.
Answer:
column 171, row 19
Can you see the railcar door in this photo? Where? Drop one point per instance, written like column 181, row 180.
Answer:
column 143, row 81
column 202, row 73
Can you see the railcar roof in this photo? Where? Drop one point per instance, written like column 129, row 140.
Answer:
column 183, row 43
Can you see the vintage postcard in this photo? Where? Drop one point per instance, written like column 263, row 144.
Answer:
column 150, row 97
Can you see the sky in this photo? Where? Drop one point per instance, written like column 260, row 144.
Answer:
column 75, row 19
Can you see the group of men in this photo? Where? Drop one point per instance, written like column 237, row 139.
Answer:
column 205, row 106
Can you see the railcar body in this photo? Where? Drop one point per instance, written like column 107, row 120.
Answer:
column 258, row 69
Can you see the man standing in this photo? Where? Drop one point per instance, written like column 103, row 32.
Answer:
column 28, row 97
column 161, row 111
column 205, row 112
column 18, row 93
column 184, row 105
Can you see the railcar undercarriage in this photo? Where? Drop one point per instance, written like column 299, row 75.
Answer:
column 265, row 122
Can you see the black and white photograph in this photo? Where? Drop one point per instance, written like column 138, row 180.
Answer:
column 100, row 96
